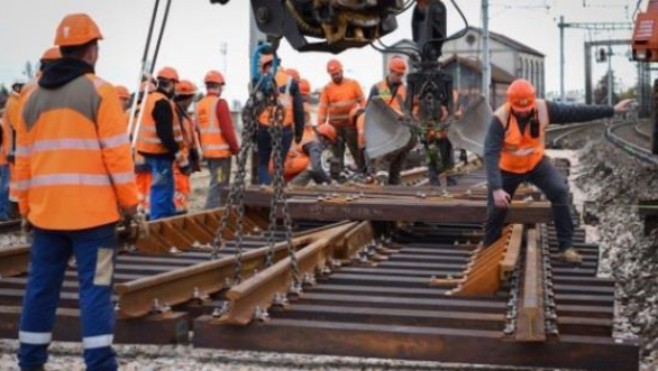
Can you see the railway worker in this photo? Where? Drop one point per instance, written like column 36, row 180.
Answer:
column 160, row 141
column 304, row 161
column 217, row 134
column 394, row 93
column 336, row 100
column 185, row 92
column 74, row 175
column 514, row 153
column 290, row 98
column 142, row 170
column 441, row 153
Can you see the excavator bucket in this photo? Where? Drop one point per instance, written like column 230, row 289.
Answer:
column 384, row 129
column 469, row 131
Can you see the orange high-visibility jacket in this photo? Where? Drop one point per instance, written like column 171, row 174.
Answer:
column 9, row 120
column 283, row 81
column 148, row 140
column 337, row 100
column 73, row 158
column 394, row 101
column 521, row 152
column 297, row 160
column 213, row 143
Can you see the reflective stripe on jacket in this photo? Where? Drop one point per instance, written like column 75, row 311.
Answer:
column 521, row 152
column 148, row 140
column 213, row 143
column 283, row 81
column 73, row 157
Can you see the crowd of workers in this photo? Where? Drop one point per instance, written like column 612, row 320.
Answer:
column 66, row 146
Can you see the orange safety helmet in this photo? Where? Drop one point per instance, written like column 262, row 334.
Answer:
column 294, row 74
column 77, row 29
column 304, row 87
column 214, row 77
column 122, row 92
column 355, row 112
column 51, row 54
column 521, row 95
column 397, row 65
column 327, row 131
column 334, row 66
column 168, row 73
column 185, row 87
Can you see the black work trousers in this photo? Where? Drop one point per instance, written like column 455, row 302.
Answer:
column 552, row 184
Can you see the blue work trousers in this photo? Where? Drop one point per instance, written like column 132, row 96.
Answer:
column 95, row 253
column 4, row 192
column 264, row 143
column 552, row 184
column 162, row 188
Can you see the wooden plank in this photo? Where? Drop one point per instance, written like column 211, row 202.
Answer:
column 512, row 253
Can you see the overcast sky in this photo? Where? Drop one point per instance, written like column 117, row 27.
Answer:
column 196, row 31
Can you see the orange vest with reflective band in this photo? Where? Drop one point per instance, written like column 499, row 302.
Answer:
column 297, row 160
column 9, row 120
column 337, row 100
column 73, row 159
column 148, row 140
column 393, row 101
column 521, row 152
column 283, row 81
column 212, row 141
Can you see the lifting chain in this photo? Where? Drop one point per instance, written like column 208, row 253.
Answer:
column 278, row 201
column 250, row 113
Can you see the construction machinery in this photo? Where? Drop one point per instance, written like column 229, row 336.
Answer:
column 338, row 25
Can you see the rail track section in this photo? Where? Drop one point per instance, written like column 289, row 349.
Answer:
column 633, row 138
column 556, row 135
column 388, row 288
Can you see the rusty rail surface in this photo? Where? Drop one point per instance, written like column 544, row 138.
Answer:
column 408, row 209
column 14, row 260
column 251, row 298
column 530, row 321
column 136, row 297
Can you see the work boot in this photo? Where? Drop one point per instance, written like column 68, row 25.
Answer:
column 570, row 255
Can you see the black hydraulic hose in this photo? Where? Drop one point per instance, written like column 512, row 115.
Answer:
column 159, row 42
column 150, row 33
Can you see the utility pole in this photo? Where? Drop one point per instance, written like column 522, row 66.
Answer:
column 594, row 26
column 610, row 82
column 486, row 66
column 561, row 25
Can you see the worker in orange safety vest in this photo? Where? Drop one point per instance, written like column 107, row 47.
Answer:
column 290, row 99
column 185, row 93
column 74, row 181
column 160, row 141
column 304, row 160
column 394, row 93
column 218, row 139
column 336, row 100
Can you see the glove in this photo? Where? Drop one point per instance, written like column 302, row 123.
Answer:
column 11, row 158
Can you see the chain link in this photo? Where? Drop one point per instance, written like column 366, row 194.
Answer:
column 279, row 198
column 236, row 195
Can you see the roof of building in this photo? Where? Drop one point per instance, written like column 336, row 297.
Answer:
column 498, row 74
column 508, row 41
